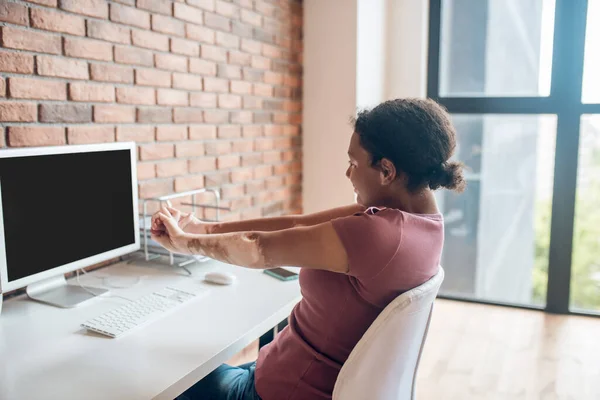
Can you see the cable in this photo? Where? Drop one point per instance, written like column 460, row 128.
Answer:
column 96, row 294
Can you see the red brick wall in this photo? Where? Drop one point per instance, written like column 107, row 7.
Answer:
column 209, row 89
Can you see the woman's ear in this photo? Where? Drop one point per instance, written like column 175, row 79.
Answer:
column 388, row 171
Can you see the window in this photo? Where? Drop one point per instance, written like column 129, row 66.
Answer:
column 511, row 73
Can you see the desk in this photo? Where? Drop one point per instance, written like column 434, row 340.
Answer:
column 47, row 355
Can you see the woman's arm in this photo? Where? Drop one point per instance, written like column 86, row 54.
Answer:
column 195, row 226
column 315, row 247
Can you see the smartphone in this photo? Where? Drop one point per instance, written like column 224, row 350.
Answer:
column 282, row 274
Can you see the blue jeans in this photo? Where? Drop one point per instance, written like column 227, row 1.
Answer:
column 225, row 383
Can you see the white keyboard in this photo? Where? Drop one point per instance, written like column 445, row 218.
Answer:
column 147, row 309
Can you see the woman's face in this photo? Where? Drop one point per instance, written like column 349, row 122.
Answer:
column 365, row 178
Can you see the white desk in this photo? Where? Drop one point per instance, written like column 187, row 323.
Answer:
column 46, row 355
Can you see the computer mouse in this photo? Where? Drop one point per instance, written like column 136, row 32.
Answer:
column 221, row 278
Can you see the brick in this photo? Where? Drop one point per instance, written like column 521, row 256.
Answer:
column 213, row 53
column 229, row 71
column 62, row 67
column 56, row 21
column 39, row 89
column 253, row 213
column 251, row 131
column 171, row 62
column 48, row 3
column 241, row 87
column 264, row 171
column 187, row 81
column 152, row 77
column 271, row 157
column 259, row 62
column 244, row 3
column 252, row 75
column 251, row 18
column 108, row 31
column 203, row 67
column 264, row 144
column 264, row 8
column 185, row 47
column 205, row 164
column 65, row 113
column 157, row 6
column 111, row 73
column 89, row 49
column 146, row 171
column 243, row 146
column 226, row 9
column 239, row 58
column 262, row 118
column 272, row 130
column 136, row 95
column 240, row 203
column 251, row 46
column 202, row 132
column 189, row 149
column 260, row 89
column 150, row 40
column 172, row 97
column 168, row 25
column 204, row 100
column 171, row 168
column 134, row 56
column 271, row 51
column 241, row 175
column 16, row 62
column 187, row 114
column 217, row 148
column 156, row 151
column 13, row 13
column 216, row 116
column 2, row 94
column 25, row 136
column 137, row 133
column 254, row 187
column 204, row 4
column 229, row 132
column 187, row 13
column 171, row 132
column 90, row 134
column 273, row 104
column 217, row 179
column 18, row 112
column 251, row 159
column 155, row 188
column 129, row 16
column 154, row 114
column 31, row 40
column 230, row 101
column 228, row 40
column 252, row 102
column 92, row 8
column 114, row 113
column 199, row 33
column 231, row 192
column 263, row 35
column 273, row 78
column 241, row 117
column 216, row 85
column 217, row 22
column 183, row 184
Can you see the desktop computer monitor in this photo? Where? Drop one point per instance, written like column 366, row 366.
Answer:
column 62, row 209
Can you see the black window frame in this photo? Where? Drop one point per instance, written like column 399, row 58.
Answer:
column 565, row 102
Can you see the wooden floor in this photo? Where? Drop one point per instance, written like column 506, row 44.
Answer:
column 494, row 353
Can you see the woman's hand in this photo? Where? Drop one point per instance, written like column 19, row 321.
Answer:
column 167, row 232
column 186, row 221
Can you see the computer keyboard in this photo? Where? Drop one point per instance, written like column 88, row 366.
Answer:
column 140, row 312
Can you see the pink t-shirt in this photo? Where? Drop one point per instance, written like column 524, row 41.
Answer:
column 389, row 252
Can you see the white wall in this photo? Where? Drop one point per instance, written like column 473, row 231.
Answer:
column 357, row 53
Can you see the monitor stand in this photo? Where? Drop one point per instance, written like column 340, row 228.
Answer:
column 57, row 292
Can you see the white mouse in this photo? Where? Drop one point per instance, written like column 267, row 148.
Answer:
column 221, row 278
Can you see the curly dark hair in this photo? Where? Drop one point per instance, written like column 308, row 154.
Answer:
column 418, row 137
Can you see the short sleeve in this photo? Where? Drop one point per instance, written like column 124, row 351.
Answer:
column 371, row 240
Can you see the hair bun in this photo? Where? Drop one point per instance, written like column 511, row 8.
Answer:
column 448, row 175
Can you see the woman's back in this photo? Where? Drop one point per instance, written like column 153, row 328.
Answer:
column 389, row 252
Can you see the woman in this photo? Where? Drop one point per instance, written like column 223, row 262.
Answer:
column 355, row 260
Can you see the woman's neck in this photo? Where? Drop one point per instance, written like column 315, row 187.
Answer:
column 421, row 202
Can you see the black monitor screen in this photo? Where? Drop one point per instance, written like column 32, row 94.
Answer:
column 62, row 208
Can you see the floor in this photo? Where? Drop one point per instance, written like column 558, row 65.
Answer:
column 477, row 351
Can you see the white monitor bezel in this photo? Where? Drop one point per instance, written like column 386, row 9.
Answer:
column 5, row 285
